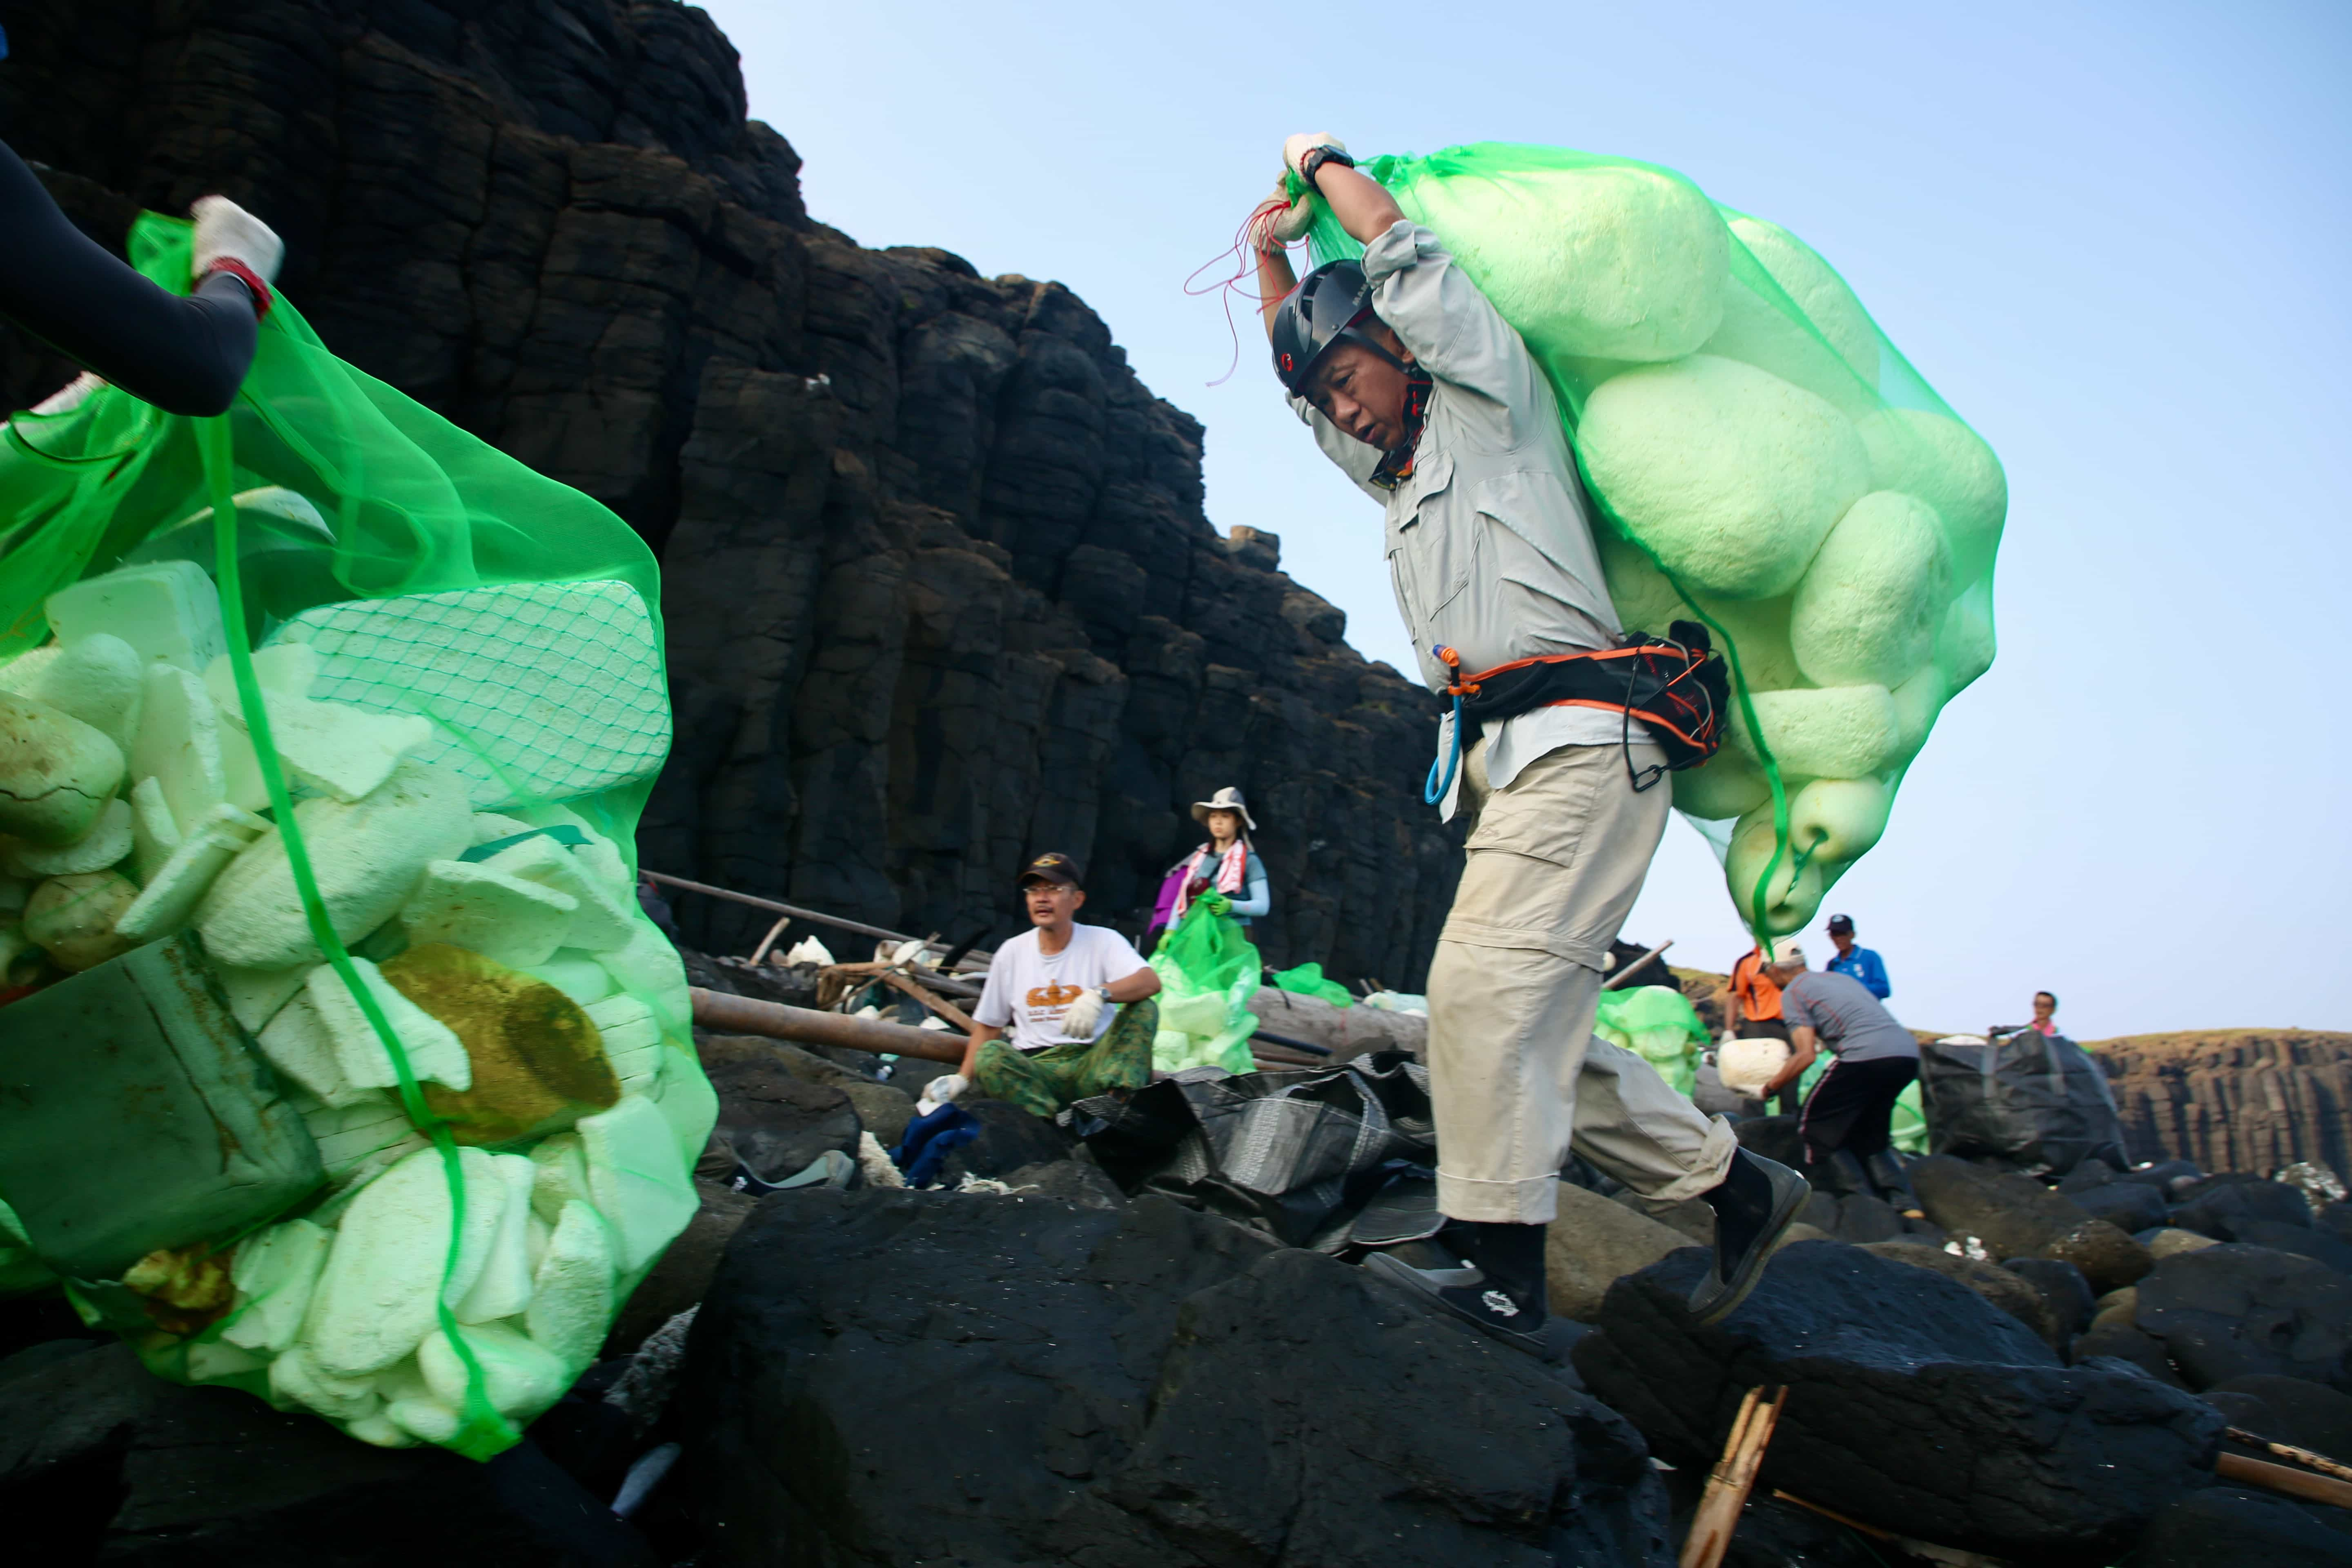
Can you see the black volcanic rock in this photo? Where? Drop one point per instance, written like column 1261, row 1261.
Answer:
column 1914, row 1405
column 904, row 1377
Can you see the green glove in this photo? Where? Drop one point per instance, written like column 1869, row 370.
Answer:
column 1218, row 904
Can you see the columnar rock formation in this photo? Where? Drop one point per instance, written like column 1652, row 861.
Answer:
column 2235, row 1099
column 940, row 589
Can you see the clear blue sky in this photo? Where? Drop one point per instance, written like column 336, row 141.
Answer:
column 2113, row 236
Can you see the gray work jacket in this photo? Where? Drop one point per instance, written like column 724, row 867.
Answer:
column 1490, row 539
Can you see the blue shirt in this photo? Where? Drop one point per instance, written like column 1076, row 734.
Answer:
column 1864, row 965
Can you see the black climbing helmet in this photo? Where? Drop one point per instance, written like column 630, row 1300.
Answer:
column 1322, row 311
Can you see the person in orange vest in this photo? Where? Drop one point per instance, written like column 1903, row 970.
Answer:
column 1753, row 1011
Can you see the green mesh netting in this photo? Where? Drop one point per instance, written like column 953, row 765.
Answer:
column 1208, row 972
column 1761, row 455
column 1658, row 1024
column 358, row 1079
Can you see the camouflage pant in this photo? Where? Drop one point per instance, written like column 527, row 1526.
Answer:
column 1059, row 1076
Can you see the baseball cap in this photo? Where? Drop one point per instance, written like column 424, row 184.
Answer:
column 1842, row 922
column 1786, row 952
column 1052, row 867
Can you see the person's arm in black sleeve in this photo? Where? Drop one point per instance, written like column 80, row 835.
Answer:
column 186, row 355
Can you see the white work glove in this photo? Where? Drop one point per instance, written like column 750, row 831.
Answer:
column 1278, row 221
column 227, row 231
column 1078, row 1023
column 1295, row 151
column 939, row 1092
column 71, row 395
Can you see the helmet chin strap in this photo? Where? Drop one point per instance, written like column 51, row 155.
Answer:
column 1349, row 334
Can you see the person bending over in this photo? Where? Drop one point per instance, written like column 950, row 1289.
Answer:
column 184, row 354
column 1849, row 1114
column 1054, row 986
column 1416, row 388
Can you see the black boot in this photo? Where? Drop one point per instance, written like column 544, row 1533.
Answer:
column 1757, row 1200
column 1500, row 1288
column 1893, row 1183
column 1840, row 1172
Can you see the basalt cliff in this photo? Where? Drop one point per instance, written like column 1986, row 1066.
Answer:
column 940, row 591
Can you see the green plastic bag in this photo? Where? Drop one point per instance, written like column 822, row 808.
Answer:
column 1307, row 980
column 1765, row 462
column 1657, row 1023
column 365, row 711
column 1208, row 972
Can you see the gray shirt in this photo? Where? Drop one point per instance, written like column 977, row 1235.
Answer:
column 1852, row 1024
column 1490, row 539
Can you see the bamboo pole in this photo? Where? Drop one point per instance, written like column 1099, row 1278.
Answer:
column 779, row 1021
column 1830, row 1513
column 2320, row 1462
column 793, row 912
column 1626, row 973
column 1733, row 1477
column 2281, row 1479
column 946, row 1010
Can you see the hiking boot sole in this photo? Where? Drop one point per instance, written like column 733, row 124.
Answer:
column 1423, row 1286
column 1717, row 1299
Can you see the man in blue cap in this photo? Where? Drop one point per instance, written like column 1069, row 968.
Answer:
column 1860, row 964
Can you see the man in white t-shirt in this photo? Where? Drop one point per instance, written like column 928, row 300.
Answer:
column 1055, row 988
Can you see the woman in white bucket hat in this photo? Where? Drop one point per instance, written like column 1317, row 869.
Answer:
column 1227, row 863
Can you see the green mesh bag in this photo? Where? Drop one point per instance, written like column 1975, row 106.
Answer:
column 1208, row 972
column 1658, row 1024
column 1763, row 461
column 349, row 717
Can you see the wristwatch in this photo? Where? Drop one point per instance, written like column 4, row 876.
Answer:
column 1312, row 164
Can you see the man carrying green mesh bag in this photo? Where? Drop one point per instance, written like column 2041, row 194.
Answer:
column 1416, row 387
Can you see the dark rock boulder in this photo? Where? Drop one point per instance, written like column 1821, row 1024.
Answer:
column 2065, row 1293
column 1593, row 1244
column 2229, row 1527
column 882, row 1109
column 1010, row 1139
column 2129, row 1207
column 101, row 1462
column 2228, row 1311
column 775, row 1120
column 931, row 1377
column 2307, row 1241
column 2121, row 1343
column 1774, row 1137
column 1996, row 1284
column 1071, row 1181
column 1914, row 1405
column 2219, row 1209
column 2304, row 1412
column 1774, row 1533
column 2017, row 1216
column 680, row 1276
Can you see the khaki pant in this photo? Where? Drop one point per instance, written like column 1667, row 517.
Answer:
column 1556, row 860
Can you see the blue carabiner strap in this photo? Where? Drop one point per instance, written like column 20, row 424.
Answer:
column 1434, row 789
